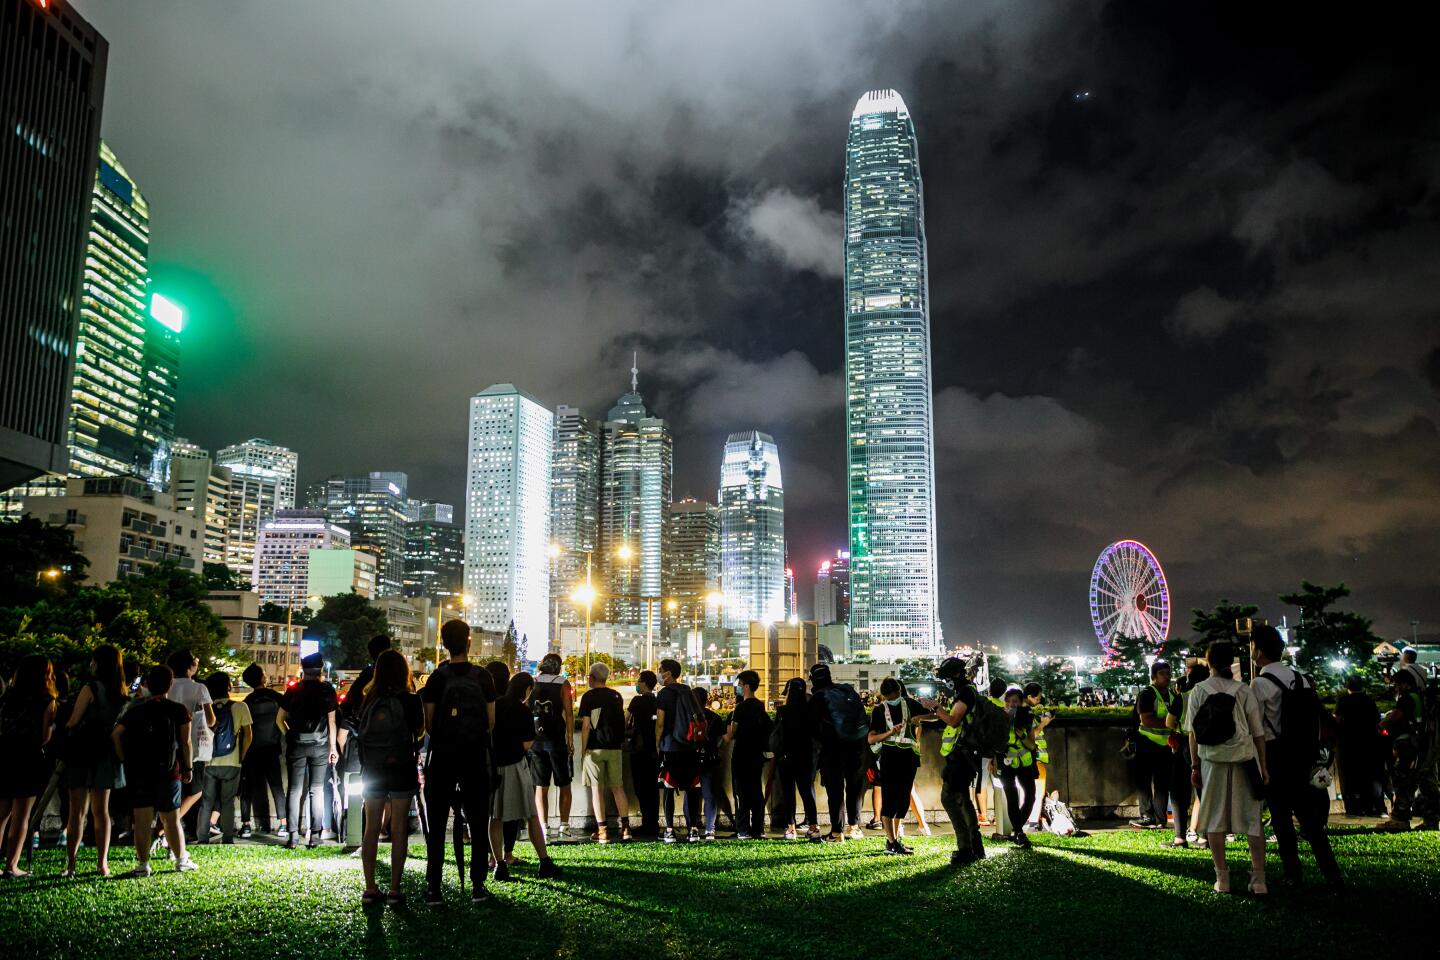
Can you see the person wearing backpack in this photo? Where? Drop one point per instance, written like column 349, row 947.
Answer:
column 711, row 793
column 1292, row 715
column 895, row 739
column 551, row 756
column 307, row 715
column 92, row 770
column 602, row 731
column 796, row 739
column 232, row 736
column 193, row 696
column 960, row 759
column 389, row 723
column 680, row 733
column 514, row 796
column 644, row 754
column 842, row 730
column 27, row 721
column 1225, row 725
column 749, row 736
column 459, row 706
column 153, row 741
column 260, row 767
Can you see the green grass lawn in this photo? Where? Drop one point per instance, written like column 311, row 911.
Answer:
column 1114, row 894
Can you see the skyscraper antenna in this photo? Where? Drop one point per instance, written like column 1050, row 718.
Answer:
column 635, row 372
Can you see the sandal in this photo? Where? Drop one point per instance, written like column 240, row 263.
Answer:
column 395, row 898
column 67, row 873
column 371, row 897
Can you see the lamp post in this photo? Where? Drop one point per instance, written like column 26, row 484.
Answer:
column 711, row 650
column 584, row 595
column 554, row 595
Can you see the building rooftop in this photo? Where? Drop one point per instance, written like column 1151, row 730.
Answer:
column 880, row 101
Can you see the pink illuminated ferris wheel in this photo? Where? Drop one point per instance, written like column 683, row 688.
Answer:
column 1128, row 595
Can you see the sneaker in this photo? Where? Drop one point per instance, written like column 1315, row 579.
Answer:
column 833, row 838
column 694, row 834
column 791, row 834
column 478, row 894
column 856, row 833
column 959, row 859
column 185, row 865
column 245, row 832
column 601, row 834
column 314, row 842
column 549, row 869
column 903, row 850
column 669, row 835
column 742, row 836
column 872, row 825
column 710, row 836
column 434, row 898
column 328, row 835
column 283, row 833
column 624, row 831
column 502, row 872
column 1021, row 841
column 890, row 849
column 214, row 830
column 395, row 898
column 1392, row 825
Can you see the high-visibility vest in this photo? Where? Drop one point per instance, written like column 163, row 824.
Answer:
column 1162, row 710
column 1017, row 754
column 1042, row 749
column 951, row 736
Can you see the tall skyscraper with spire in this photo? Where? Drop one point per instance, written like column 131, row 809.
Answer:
column 574, row 507
column 637, row 457
column 888, row 399
column 752, row 531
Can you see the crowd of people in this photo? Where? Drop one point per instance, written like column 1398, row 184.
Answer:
column 475, row 752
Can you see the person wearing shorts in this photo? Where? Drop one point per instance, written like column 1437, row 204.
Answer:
column 550, row 755
column 156, row 769
column 602, row 731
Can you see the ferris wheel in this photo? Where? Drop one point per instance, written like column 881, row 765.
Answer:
column 1128, row 595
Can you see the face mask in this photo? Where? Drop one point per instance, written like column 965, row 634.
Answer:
column 1010, row 712
column 892, row 703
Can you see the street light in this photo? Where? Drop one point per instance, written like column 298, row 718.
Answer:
column 711, row 650
column 584, row 596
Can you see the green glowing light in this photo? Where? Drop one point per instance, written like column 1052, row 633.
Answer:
column 167, row 312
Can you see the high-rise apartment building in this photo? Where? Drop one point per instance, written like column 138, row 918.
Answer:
column 889, row 430
column 282, row 554
column 752, row 531
column 434, row 554
column 507, row 513
column 163, row 322
column 201, row 488
column 574, row 506
column 694, row 560
column 373, row 508
column 121, row 525
column 637, row 457
column 832, row 590
column 52, row 87
column 259, row 457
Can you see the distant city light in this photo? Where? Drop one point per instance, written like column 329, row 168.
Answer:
column 1012, row 660
column 1338, row 665
column 167, row 312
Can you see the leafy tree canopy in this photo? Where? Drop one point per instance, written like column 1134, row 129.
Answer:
column 37, row 560
column 220, row 577
column 346, row 622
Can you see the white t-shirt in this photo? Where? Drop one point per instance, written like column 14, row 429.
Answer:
column 1270, row 695
column 194, row 696
column 240, row 717
column 1248, row 721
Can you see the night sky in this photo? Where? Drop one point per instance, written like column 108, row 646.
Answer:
column 1184, row 261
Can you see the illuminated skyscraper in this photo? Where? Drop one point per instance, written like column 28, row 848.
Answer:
column 694, row 559
column 507, row 513
column 832, row 590
column 282, row 554
column 260, row 456
column 752, row 531
column 52, row 86
column 262, row 480
column 574, row 505
column 636, row 473
column 889, row 431
column 202, row 489
column 434, row 553
column 372, row 508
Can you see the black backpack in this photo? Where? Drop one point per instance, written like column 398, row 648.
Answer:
column 846, row 713
column 1300, row 717
column 308, row 723
column 385, row 736
column 263, row 730
column 607, row 724
column 688, row 727
column 20, row 720
column 461, row 717
column 547, row 705
column 1214, row 722
column 152, row 742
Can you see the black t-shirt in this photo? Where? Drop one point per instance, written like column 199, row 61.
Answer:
column 642, row 718
column 752, row 729
column 306, row 706
column 434, row 690
column 797, row 729
column 135, row 718
column 879, row 722
column 668, row 700
column 603, row 706
column 1359, row 717
column 355, row 696
column 514, row 727
column 1145, row 702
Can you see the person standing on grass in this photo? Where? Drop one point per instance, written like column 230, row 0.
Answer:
column 1357, row 721
column 390, row 721
column 995, row 693
column 347, row 716
column 93, row 770
column 222, row 773
column 1017, row 766
column 797, row 759
column 551, row 756
column 749, row 735
column 1154, row 759
column 260, row 767
column 514, row 796
column 894, row 737
column 710, row 791
column 1035, row 700
column 154, row 742
column 960, row 762
column 307, row 715
column 1226, row 728
column 644, row 769
column 500, row 679
column 841, row 729
column 602, row 732
column 1291, row 712
column 459, row 715
column 195, row 697
column 679, row 754
column 27, row 720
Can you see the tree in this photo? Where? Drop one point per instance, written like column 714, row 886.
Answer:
column 275, row 613
column 37, row 560
column 575, row 666
column 1056, row 679
column 1129, row 663
column 914, row 671
column 1324, row 635
column 1219, row 624
column 346, row 623
column 218, row 576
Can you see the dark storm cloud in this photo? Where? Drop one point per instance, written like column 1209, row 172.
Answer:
column 1183, row 260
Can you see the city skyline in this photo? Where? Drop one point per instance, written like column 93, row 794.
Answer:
column 1113, row 258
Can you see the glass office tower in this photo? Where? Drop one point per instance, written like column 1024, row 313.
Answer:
column 752, row 531
column 889, row 434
